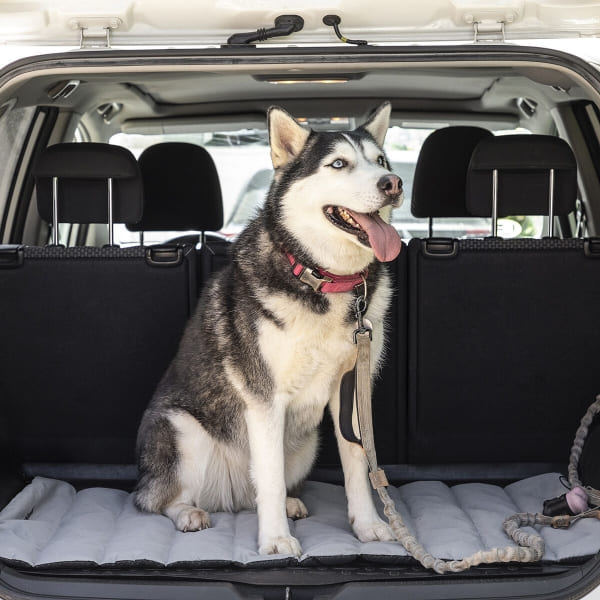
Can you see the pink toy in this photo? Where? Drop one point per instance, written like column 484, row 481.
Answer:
column 577, row 500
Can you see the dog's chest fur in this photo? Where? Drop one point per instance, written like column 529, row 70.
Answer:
column 310, row 352
column 308, row 355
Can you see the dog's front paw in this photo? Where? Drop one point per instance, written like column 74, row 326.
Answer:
column 281, row 545
column 373, row 531
column 295, row 508
column 192, row 519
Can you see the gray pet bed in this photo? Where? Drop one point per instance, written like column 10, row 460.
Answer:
column 50, row 524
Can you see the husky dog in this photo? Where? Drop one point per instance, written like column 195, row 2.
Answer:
column 233, row 423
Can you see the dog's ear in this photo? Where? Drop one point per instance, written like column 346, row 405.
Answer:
column 286, row 136
column 379, row 122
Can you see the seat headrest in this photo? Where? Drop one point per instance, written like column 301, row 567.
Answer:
column 523, row 162
column 439, row 185
column 82, row 170
column 181, row 189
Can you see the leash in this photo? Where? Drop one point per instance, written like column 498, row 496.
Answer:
column 530, row 546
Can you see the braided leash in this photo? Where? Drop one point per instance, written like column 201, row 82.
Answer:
column 576, row 450
column 530, row 546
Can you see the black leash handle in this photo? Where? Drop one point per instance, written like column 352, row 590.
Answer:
column 347, row 407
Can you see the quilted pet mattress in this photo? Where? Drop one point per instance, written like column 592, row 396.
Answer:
column 50, row 524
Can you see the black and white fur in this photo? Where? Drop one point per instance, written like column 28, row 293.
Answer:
column 233, row 423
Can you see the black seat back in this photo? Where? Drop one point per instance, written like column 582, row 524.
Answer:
column 501, row 330
column 87, row 332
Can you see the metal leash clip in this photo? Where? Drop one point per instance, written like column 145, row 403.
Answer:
column 363, row 325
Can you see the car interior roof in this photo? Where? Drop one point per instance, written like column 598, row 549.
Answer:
column 149, row 93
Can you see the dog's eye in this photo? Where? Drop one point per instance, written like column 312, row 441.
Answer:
column 338, row 163
column 381, row 161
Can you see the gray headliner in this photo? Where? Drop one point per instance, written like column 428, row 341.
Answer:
column 208, row 95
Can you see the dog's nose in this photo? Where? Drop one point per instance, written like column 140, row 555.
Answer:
column 390, row 185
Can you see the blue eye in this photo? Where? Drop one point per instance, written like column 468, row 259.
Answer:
column 381, row 161
column 338, row 163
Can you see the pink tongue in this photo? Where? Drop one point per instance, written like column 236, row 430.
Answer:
column 384, row 238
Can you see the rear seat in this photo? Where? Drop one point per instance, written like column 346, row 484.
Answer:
column 476, row 328
column 87, row 332
column 182, row 192
column 501, row 330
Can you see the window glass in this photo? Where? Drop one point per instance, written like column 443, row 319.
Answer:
column 14, row 125
column 244, row 166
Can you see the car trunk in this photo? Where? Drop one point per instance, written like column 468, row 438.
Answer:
column 475, row 409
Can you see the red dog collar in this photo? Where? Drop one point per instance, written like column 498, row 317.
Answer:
column 323, row 281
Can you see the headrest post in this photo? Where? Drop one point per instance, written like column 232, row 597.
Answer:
column 551, row 204
column 55, row 211
column 495, row 202
column 141, row 238
column 111, row 227
column 430, row 226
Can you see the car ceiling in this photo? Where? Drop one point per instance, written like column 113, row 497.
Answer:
column 145, row 93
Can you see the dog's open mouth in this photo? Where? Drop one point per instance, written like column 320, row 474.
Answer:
column 370, row 229
column 343, row 219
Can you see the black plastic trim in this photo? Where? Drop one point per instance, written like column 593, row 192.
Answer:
column 284, row 25
column 21, row 586
column 587, row 130
column 360, row 581
column 591, row 247
column 164, row 256
column 11, row 256
column 440, row 247
column 277, row 55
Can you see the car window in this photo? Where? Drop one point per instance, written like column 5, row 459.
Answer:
column 14, row 125
column 244, row 166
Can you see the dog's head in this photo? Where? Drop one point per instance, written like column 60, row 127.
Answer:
column 333, row 192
